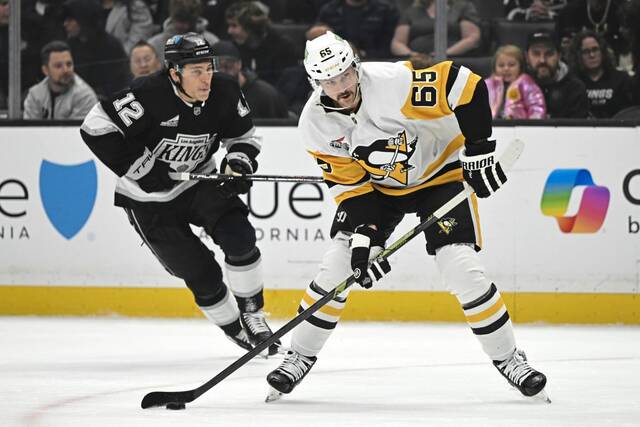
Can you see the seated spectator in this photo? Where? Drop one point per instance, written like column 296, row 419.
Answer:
column 512, row 93
column 264, row 100
column 367, row 24
column 601, row 16
column 533, row 10
column 262, row 49
column 143, row 60
column 565, row 95
column 62, row 94
column 98, row 56
column 184, row 17
column 416, row 27
column 608, row 89
column 128, row 20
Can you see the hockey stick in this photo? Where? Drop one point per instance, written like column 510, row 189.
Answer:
column 186, row 176
column 162, row 398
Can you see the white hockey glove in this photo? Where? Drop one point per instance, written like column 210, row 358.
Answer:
column 365, row 246
column 237, row 163
column 480, row 168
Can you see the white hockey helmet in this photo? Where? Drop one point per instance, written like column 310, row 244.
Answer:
column 327, row 56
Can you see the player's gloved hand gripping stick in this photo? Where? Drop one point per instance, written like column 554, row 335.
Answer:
column 179, row 398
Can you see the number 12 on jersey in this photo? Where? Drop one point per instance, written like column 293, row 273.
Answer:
column 422, row 93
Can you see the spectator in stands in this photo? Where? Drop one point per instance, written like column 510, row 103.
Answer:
column 298, row 11
column 513, row 94
column 601, row 16
column 262, row 49
column 143, row 60
column 62, row 94
column 565, row 95
column 264, row 100
column 415, row 30
column 608, row 89
column 98, row 56
column 367, row 24
column 533, row 10
column 128, row 20
column 184, row 17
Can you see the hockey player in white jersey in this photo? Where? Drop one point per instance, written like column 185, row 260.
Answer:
column 392, row 140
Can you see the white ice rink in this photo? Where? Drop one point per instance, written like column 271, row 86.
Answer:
column 93, row 372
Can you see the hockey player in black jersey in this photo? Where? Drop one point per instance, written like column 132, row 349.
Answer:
column 174, row 121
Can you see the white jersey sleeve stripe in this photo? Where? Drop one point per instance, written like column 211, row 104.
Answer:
column 458, row 87
column 99, row 123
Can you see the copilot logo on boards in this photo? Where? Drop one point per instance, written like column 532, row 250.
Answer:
column 591, row 207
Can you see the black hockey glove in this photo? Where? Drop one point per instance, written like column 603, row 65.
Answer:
column 480, row 168
column 365, row 245
column 157, row 179
column 237, row 163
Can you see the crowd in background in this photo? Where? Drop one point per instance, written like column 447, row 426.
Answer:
column 540, row 58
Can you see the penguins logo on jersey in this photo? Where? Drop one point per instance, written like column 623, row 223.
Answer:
column 185, row 152
column 446, row 225
column 388, row 158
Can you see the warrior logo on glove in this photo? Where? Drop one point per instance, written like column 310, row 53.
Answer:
column 480, row 169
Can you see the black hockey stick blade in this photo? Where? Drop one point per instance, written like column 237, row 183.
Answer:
column 186, row 176
column 162, row 398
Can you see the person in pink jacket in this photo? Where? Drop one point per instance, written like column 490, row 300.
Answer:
column 513, row 94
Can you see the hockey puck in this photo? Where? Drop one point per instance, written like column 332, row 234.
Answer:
column 176, row 406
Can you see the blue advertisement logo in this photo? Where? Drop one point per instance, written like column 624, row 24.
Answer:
column 68, row 194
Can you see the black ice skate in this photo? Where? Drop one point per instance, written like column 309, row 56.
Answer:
column 254, row 322
column 288, row 375
column 523, row 377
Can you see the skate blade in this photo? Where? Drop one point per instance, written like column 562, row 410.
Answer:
column 273, row 395
column 542, row 396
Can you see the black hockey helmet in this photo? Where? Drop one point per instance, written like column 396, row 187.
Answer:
column 187, row 48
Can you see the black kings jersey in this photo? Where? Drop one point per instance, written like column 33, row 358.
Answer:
column 148, row 123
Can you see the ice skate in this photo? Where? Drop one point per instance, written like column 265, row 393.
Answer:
column 258, row 330
column 522, row 376
column 288, row 375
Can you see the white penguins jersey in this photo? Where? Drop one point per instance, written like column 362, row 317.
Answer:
column 403, row 137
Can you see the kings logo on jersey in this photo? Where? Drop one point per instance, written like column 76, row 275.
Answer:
column 388, row 158
column 185, row 152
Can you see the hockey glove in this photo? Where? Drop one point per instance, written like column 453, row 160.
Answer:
column 480, row 168
column 364, row 246
column 157, row 179
column 236, row 163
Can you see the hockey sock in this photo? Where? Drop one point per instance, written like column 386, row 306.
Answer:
column 310, row 336
column 244, row 274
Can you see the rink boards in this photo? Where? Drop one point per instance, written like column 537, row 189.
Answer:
column 562, row 239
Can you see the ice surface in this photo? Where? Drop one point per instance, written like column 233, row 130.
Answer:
column 93, row 372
